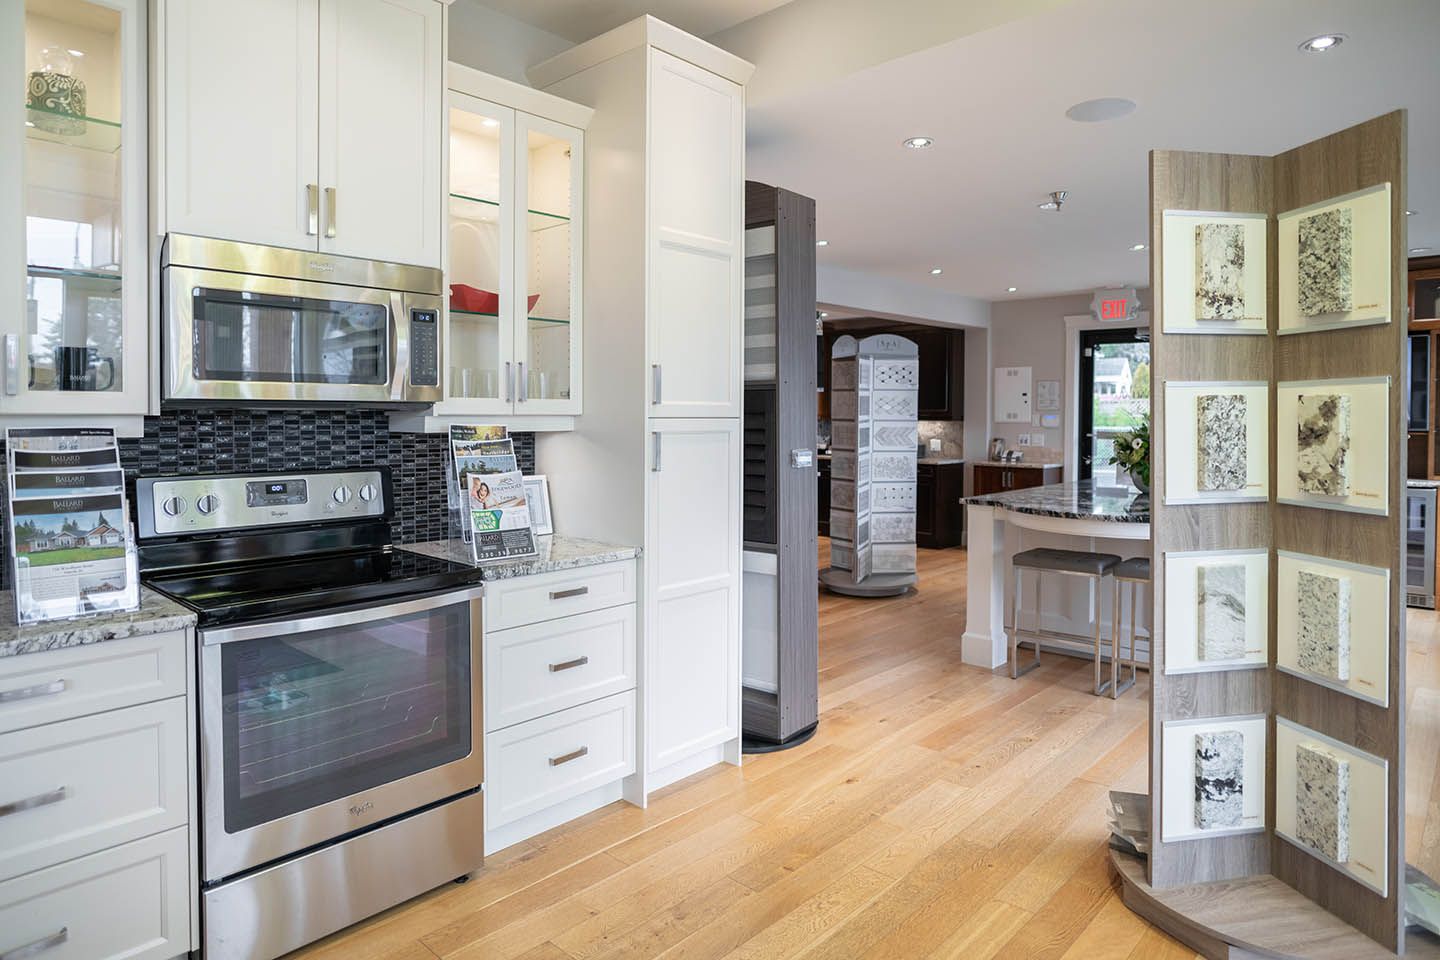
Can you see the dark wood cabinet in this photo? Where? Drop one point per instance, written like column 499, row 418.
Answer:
column 998, row 478
column 823, row 499
column 942, row 364
column 939, row 516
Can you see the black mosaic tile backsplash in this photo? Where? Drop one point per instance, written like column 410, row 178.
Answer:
column 243, row 441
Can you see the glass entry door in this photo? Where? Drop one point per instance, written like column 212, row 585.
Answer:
column 1114, row 394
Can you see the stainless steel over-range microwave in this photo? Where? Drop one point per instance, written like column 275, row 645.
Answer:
column 245, row 323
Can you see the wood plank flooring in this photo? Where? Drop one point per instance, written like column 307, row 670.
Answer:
column 941, row 811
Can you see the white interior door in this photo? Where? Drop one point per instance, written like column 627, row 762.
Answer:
column 381, row 129
column 240, row 120
column 696, row 255
column 692, row 596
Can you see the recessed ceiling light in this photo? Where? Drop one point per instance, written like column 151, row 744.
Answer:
column 1411, row 213
column 1137, row 247
column 919, row 143
column 1011, row 289
column 1419, row 249
column 76, row 53
column 822, row 243
column 936, row 271
column 823, row 314
column 1056, row 201
column 1322, row 43
column 1098, row 111
column 487, row 122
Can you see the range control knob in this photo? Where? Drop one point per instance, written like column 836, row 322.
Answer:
column 208, row 503
column 342, row 494
column 173, row 506
column 368, row 492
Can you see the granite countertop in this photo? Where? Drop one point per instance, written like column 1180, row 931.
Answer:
column 557, row 552
column 1032, row 464
column 157, row 614
column 1422, row 483
column 1072, row 501
column 940, row 461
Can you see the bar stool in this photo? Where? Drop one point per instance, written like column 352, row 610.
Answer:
column 1071, row 563
column 1134, row 573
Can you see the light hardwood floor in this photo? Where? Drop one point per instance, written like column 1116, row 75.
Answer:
column 1422, row 744
column 940, row 811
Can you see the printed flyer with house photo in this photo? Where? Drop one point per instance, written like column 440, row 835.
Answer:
column 491, row 492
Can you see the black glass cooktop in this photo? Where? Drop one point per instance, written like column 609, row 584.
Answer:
column 276, row 589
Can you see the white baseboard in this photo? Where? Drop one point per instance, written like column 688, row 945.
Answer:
column 681, row 769
column 541, row 820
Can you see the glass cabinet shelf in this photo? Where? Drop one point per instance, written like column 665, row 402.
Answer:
column 84, row 133
column 471, row 313
column 99, row 278
column 486, row 211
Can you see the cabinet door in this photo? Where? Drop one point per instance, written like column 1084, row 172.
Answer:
column 925, row 506
column 73, row 256
column 548, row 182
column 692, row 596
column 696, row 256
column 480, row 254
column 240, row 100
column 382, row 92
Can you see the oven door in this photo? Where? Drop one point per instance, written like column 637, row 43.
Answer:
column 242, row 337
column 314, row 728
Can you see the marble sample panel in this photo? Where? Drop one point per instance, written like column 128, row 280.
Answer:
column 896, row 374
column 1220, row 597
column 843, row 375
column 1219, row 271
column 1322, row 458
column 842, row 495
column 842, row 524
column 1323, row 619
column 1221, row 446
column 842, row 435
column 1219, row 779
column 1325, row 263
column 1322, row 801
column 842, row 466
column 893, row 497
column 896, row 436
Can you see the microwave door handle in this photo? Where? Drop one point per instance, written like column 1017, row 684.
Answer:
column 399, row 347
column 312, row 209
column 330, row 212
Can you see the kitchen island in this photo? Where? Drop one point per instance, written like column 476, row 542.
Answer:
column 1068, row 516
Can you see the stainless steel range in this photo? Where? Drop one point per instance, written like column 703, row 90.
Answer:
column 340, row 731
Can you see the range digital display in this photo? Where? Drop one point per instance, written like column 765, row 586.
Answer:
column 271, row 493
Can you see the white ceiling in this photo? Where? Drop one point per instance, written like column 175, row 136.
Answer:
column 1222, row 75
column 579, row 20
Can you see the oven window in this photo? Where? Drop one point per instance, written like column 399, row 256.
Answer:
column 312, row 717
column 252, row 336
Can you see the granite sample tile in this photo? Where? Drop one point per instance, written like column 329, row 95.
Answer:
column 896, row 374
column 1322, row 458
column 1322, row 801
column 1324, row 624
column 1221, row 452
column 1219, row 271
column 1220, row 596
column 1325, row 263
column 895, row 436
column 1219, row 779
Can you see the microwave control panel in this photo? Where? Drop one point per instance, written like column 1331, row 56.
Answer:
column 178, row 505
column 425, row 348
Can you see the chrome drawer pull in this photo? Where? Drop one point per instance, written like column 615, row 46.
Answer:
column 554, row 762
column 38, row 947
column 566, row 594
column 30, row 803
column 30, row 693
column 577, row 662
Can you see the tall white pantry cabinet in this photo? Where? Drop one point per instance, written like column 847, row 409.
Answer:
column 656, row 457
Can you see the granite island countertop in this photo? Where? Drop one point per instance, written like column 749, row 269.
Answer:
column 1019, row 464
column 1422, row 484
column 557, row 552
column 157, row 614
column 1071, row 501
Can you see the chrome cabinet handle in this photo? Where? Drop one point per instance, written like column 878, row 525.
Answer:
column 506, row 383
column 37, row 947
column 12, row 364
column 554, row 762
column 569, row 664
column 312, row 209
column 655, row 451
column 30, row 693
column 522, row 389
column 329, row 211
column 30, row 803
column 654, row 383
column 572, row 592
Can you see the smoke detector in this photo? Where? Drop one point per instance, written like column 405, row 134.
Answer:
column 1056, row 201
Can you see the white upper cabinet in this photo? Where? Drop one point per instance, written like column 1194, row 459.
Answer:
column 314, row 124
column 74, row 271
column 381, row 129
column 696, row 237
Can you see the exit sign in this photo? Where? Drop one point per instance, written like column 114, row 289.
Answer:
column 1115, row 305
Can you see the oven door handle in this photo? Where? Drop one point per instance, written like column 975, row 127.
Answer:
column 345, row 618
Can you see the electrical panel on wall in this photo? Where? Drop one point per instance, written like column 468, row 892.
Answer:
column 1012, row 394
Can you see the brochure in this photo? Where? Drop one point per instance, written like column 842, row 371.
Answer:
column 491, row 493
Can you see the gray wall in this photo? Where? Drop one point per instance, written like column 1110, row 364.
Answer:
column 488, row 40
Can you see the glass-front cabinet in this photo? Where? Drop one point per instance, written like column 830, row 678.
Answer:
column 73, row 290
column 513, row 252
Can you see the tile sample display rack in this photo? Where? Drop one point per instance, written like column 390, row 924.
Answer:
column 1344, row 164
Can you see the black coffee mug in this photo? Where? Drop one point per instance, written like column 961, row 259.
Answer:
column 78, row 368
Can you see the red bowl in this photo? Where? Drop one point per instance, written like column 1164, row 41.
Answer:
column 474, row 300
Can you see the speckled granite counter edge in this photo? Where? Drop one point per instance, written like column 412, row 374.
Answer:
column 157, row 614
column 557, row 552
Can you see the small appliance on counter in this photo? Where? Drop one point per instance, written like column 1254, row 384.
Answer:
column 339, row 701
column 997, row 450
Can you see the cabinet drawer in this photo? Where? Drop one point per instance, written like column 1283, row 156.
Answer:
column 544, row 667
column 55, row 685
column 548, row 596
column 73, row 788
column 538, row 764
column 129, row 902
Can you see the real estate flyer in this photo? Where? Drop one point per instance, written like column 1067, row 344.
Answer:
column 491, row 493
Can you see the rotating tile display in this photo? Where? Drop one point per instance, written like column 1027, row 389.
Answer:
column 896, row 374
column 1323, row 615
column 1326, row 241
column 894, row 404
column 1215, row 272
column 1322, row 801
column 1219, row 779
column 1220, row 451
column 1220, row 594
column 894, row 466
column 893, row 497
column 892, row 527
column 1323, row 444
column 895, row 436
column 1219, row 271
column 1334, row 262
